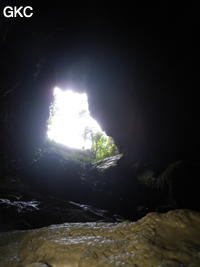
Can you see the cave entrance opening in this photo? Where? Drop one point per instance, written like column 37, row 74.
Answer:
column 71, row 125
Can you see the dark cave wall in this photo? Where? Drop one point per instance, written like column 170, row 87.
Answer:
column 24, row 93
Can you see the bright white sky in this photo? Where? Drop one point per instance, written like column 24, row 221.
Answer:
column 71, row 120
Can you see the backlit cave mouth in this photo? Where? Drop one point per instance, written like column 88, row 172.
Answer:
column 71, row 125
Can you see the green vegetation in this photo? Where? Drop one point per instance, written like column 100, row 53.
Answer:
column 79, row 136
column 103, row 146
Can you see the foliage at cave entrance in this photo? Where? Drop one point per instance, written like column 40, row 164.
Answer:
column 103, row 146
column 76, row 132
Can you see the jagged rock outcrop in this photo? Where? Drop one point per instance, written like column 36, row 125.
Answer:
column 164, row 240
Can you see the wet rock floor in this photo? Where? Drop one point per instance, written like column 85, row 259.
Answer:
column 171, row 239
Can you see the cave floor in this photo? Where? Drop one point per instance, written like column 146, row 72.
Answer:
column 169, row 239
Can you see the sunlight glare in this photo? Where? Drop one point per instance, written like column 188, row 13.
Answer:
column 70, row 121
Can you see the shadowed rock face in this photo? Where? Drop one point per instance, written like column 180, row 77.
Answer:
column 164, row 240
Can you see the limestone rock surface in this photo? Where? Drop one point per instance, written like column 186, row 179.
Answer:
column 171, row 239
